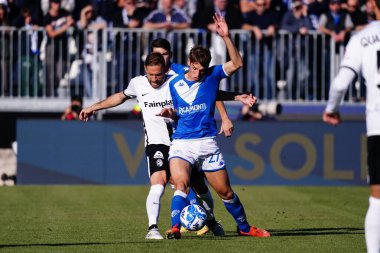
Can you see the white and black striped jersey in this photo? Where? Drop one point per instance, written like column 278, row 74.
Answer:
column 362, row 56
column 158, row 130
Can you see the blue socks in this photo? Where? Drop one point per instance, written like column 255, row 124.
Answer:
column 192, row 197
column 236, row 209
column 179, row 202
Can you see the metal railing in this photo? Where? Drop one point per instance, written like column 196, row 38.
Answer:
column 40, row 74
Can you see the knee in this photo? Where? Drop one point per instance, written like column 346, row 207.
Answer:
column 226, row 194
column 182, row 186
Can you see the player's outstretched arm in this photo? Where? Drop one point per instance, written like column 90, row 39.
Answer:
column 244, row 98
column 111, row 101
column 338, row 88
column 226, row 127
column 236, row 61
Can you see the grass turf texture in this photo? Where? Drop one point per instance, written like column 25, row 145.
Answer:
column 113, row 219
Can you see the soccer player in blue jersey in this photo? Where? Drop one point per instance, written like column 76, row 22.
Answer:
column 163, row 47
column 194, row 94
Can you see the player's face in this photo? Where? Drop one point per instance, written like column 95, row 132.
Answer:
column 166, row 54
column 155, row 75
column 196, row 71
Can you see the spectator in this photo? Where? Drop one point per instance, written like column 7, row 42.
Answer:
column 88, row 19
column 72, row 111
column 247, row 6
column 29, row 63
column 188, row 7
column 204, row 19
column 369, row 10
column 359, row 18
column 315, row 8
column 130, row 16
column 298, row 23
column 105, row 9
column 67, row 5
column 34, row 6
column 150, row 4
column 5, row 46
column 262, row 51
column 88, row 25
column 57, row 23
column 167, row 17
column 279, row 7
column 335, row 23
column 79, row 5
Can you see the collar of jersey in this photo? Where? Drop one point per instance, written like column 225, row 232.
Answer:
column 190, row 83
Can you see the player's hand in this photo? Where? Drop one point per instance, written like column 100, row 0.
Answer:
column 331, row 118
column 246, row 99
column 221, row 25
column 168, row 113
column 86, row 113
column 227, row 127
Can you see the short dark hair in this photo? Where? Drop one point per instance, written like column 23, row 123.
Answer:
column 161, row 43
column 77, row 98
column 154, row 59
column 201, row 55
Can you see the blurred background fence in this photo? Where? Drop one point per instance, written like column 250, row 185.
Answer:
column 40, row 74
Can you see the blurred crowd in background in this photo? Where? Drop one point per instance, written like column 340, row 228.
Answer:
column 325, row 15
column 336, row 19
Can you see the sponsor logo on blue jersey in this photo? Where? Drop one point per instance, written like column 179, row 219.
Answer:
column 183, row 110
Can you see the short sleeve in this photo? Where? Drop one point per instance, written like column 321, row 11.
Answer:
column 221, row 73
column 130, row 91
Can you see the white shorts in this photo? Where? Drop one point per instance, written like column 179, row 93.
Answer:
column 203, row 153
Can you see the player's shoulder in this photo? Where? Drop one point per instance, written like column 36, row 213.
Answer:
column 138, row 81
column 178, row 68
column 372, row 29
column 215, row 69
column 140, row 78
column 174, row 78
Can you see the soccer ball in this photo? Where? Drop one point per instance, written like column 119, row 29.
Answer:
column 193, row 217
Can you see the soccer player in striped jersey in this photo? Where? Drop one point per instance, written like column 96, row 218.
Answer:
column 194, row 94
column 363, row 56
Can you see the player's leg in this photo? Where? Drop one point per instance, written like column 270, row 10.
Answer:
column 214, row 167
column 207, row 202
column 180, row 171
column 372, row 219
column 204, row 197
column 158, row 168
column 191, row 198
column 220, row 182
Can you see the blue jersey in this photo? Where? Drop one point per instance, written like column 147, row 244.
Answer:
column 178, row 69
column 195, row 104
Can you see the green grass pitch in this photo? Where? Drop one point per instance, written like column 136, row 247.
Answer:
column 113, row 219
